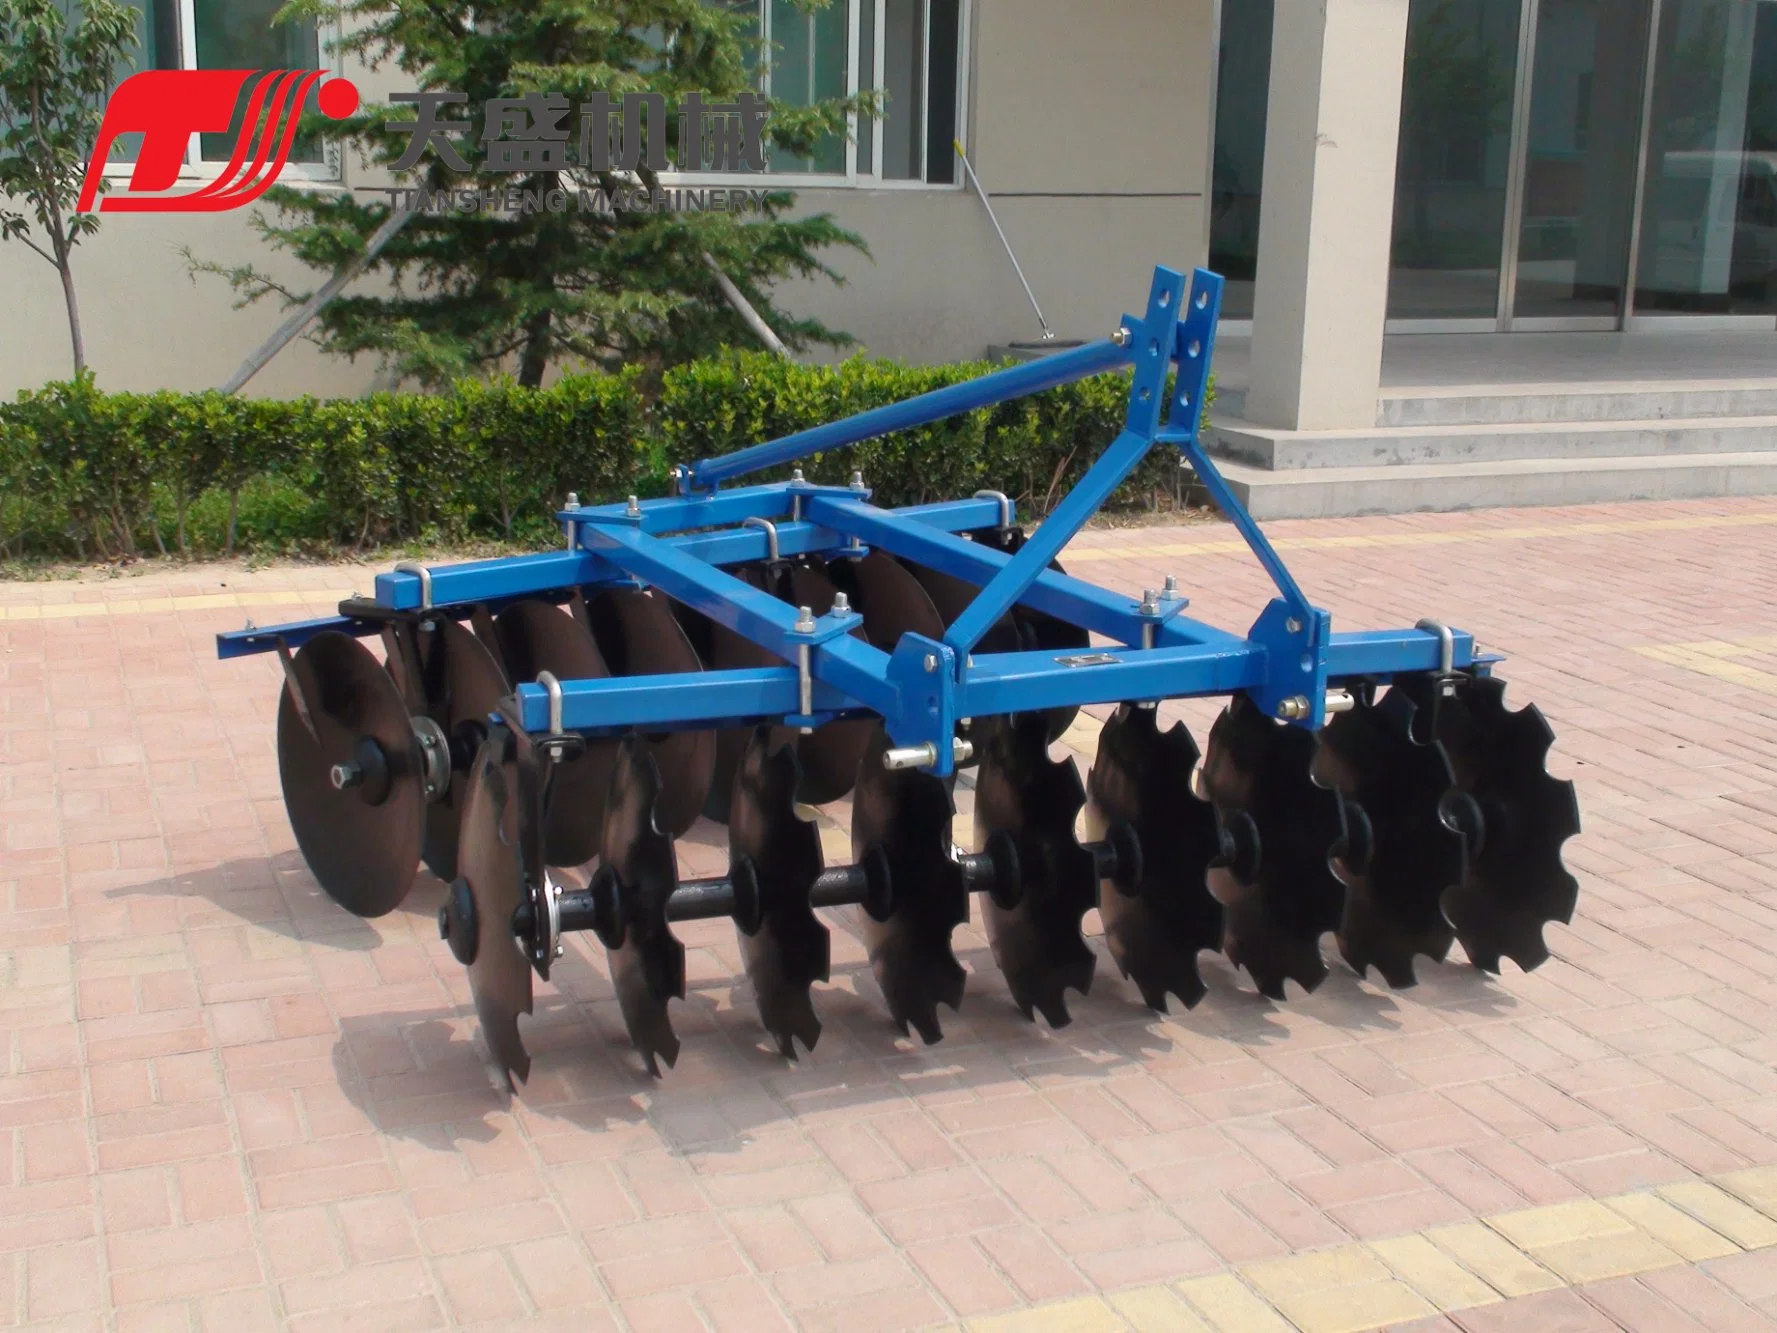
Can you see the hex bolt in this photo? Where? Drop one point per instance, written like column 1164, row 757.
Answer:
column 796, row 476
column 841, row 604
column 1294, row 708
column 1149, row 602
column 1169, row 592
column 857, row 480
column 634, row 508
column 931, row 662
column 573, row 499
column 1293, row 625
column 1122, row 337
column 804, row 620
column 346, row 775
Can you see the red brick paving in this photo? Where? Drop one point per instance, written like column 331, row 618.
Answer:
column 228, row 1105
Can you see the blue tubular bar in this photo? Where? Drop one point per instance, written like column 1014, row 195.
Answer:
column 1390, row 652
column 1060, row 595
column 690, row 701
column 851, row 665
column 1001, row 386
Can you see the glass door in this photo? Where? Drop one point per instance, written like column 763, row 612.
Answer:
column 1453, row 162
column 1708, row 223
column 1581, row 149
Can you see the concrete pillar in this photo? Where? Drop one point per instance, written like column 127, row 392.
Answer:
column 1327, row 213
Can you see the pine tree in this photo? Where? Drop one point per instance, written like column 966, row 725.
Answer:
column 475, row 292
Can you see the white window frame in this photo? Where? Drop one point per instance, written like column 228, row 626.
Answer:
column 852, row 178
column 328, row 171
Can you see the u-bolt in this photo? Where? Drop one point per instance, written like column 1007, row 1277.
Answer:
column 1446, row 646
column 553, row 686
column 1005, row 505
column 425, row 575
column 771, row 548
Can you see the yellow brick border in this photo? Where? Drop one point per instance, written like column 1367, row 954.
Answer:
column 1361, row 1287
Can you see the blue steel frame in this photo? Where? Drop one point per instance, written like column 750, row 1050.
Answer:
column 1285, row 662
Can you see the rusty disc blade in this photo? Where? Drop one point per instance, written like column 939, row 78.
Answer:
column 639, row 636
column 535, row 637
column 830, row 756
column 500, row 974
column 790, row 949
column 463, row 685
column 363, row 841
column 648, row 968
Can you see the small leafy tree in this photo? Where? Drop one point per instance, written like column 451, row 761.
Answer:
column 475, row 292
column 55, row 75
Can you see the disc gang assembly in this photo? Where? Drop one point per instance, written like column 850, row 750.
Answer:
column 741, row 651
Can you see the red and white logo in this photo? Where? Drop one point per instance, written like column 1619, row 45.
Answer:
column 166, row 107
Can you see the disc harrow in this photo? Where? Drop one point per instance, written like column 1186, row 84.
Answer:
column 541, row 730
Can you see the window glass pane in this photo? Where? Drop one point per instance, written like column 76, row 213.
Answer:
column 240, row 34
column 1709, row 210
column 866, row 82
column 1579, row 168
column 157, row 47
column 903, row 80
column 1242, row 85
column 946, row 44
column 1450, row 182
column 809, row 58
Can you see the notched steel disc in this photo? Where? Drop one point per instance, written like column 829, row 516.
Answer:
column 790, row 950
column 648, row 968
column 907, row 814
column 1279, row 895
column 1156, row 929
column 463, row 685
column 535, row 637
column 829, row 756
column 729, row 651
column 1020, row 790
column 1515, row 816
column 1398, row 869
column 500, row 975
column 362, row 842
column 638, row 635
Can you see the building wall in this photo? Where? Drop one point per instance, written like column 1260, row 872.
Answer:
column 1089, row 123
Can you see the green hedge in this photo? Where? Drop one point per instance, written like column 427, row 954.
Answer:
column 89, row 474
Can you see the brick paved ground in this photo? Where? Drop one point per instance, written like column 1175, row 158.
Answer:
column 226, row 1105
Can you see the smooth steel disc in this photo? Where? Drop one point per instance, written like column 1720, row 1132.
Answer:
column 790, row 949
column 362, row 842
column 1038, row 630
column 1513, row 881
column 1142, row 777
column 907, row 814
column 534, row 637
column 831, row 755
column 1278, row 892
column 638, row 636
column 463, row 685
column 889, row 597
column 500, row 975
column 1408, row 859
column 729, row 651
column 648, row 968
column 1020, row 790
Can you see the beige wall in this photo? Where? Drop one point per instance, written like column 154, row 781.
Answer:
column 1088, row 122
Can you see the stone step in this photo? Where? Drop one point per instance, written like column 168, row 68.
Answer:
column 1331, row 492
column 1288, row 451
column 1466, row 405
column 1471, row 405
